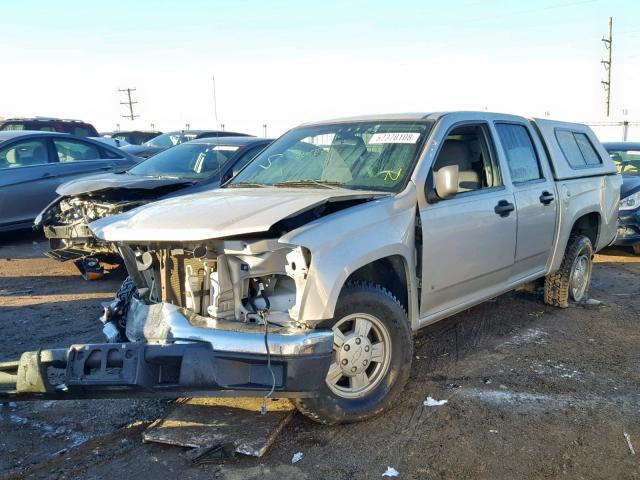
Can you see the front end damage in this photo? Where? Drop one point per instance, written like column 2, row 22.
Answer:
column 208, row 319
column 65, row 223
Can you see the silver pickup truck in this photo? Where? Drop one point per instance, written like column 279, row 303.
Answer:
column 307, row 274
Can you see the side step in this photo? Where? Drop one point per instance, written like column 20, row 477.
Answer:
column 158, row 370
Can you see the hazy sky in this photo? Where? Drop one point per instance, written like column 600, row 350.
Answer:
column 283, row 63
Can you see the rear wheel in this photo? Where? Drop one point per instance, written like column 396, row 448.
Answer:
column 571, row 281
column 372, row 353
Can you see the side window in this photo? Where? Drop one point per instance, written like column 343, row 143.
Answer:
column 12, row 126
column 468, row 147
column 24, row 154
column 521, row 155
column 577, row 149
column 81, row 132
column 75, row 151
column 589, row 153
column 109, row 154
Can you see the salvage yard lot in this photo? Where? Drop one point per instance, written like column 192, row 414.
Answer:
column 532, row 391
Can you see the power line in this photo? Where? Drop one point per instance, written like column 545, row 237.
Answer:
column 608, row 42
column 129, row 102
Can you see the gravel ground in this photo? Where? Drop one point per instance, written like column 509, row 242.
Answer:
column 532, row 392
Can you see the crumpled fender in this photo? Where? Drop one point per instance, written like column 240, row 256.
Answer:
column 347, row 240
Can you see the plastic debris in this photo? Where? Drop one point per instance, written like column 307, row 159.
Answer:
column 432, row 402
column 493, row 431
column 391, row 472
column 628, row 438
column 296, row 457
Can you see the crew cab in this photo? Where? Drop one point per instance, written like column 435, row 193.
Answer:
column 306, row 275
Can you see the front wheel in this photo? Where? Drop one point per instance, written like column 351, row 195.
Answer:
column 571, row 281
column 372, row 354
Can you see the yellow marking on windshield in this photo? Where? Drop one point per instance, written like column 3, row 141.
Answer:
column 390, row 175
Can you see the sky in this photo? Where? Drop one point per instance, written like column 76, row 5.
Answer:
column 282, row 63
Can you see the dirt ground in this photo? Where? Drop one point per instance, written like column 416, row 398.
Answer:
column 532, row 392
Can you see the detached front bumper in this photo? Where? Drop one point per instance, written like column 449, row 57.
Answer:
column 232, row 360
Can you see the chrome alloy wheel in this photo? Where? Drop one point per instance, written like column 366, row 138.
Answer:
column 580, row 275
column 361, row 355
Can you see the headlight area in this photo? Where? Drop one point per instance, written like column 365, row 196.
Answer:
column 630, row 202
column 241, row 280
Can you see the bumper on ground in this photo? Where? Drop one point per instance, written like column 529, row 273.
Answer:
column 233, row 361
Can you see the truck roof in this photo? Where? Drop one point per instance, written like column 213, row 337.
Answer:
column 419, row 116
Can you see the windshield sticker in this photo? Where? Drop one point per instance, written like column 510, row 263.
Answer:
column 393, row 137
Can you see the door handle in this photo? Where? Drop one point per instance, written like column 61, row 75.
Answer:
column 546, row 198
column 504, row 208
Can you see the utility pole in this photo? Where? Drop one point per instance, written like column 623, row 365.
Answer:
column 607, row 68
column 264, row 130
column 222, row 126
column 129, row 102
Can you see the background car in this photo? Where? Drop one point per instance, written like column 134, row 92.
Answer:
column 171, row 139
column 200, row 164
column 133, row 137
column 626, row 156
column 46, row 124
column 34, row 164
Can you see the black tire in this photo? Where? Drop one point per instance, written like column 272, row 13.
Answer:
column 558, row 285
column 636, row 249
column 363, row 298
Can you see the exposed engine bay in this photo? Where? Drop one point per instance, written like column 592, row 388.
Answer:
column 65, row 222
column 242, row 280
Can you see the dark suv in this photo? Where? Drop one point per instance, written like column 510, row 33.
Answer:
column 45, row 124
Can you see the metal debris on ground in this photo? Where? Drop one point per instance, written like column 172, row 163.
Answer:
column 205, row 423
column 432, row 402
column 296, row 457
column 628, row 438
column 391, row 472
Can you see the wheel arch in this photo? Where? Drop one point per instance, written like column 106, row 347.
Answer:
column 587, row 223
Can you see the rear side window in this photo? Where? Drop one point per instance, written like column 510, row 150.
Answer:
column 578, row 149
column 24, row 154
column 521, row 155
column 74, row 151
column 12, row 126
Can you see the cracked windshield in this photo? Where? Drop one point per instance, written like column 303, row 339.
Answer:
column 362, row 156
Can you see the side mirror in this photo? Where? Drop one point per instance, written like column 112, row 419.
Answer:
column 447, row 181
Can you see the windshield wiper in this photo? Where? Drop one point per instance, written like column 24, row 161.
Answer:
column 309, row 182
column 245, row 185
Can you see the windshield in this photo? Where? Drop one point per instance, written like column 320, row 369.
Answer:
column 189, row 160
column 362, row 155
column 627, row 161
column 168, row 140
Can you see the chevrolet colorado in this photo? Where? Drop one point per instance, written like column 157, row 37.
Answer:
column 307, row 274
